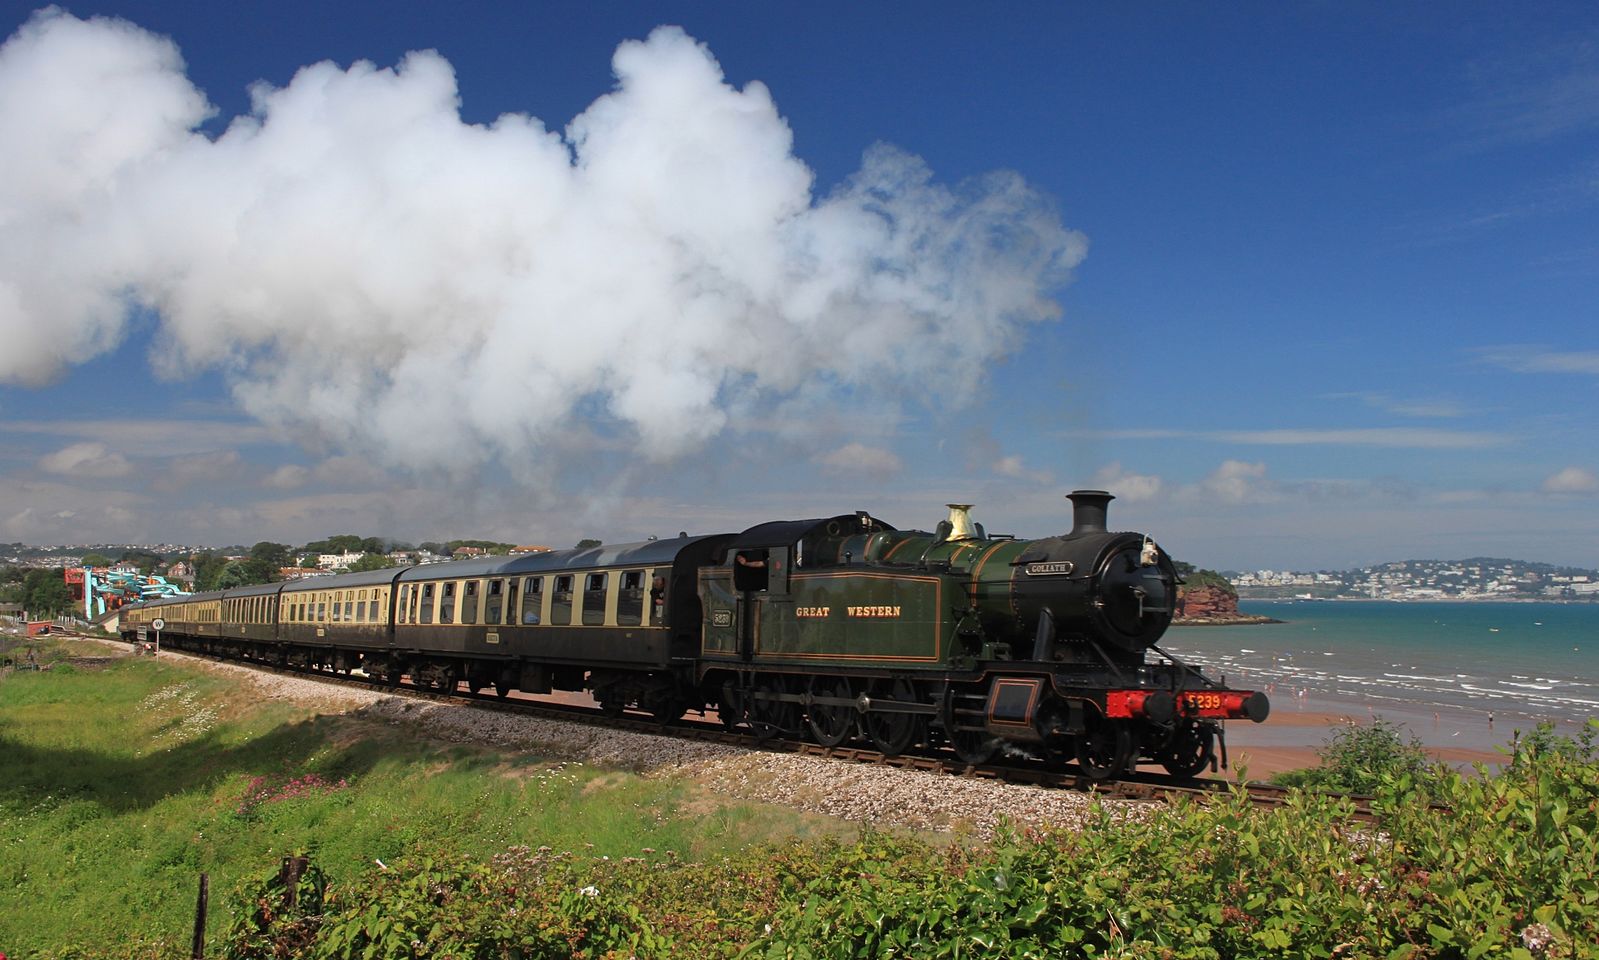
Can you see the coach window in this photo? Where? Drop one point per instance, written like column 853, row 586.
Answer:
column 469, row 602
column 511, row 608
column 561, row 601
column 532, row 599
column 321, row 611
column 447, row 603
column 630, row 605
column 426, row 614
column 360, row 607
column 405, row 596
column 349, row 605
column 372, row 606
column 494, row 602
column 594, row 586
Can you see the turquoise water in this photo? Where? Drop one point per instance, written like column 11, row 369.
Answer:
column 1532, row 660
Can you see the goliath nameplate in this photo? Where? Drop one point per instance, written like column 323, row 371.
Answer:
column 1056, row 569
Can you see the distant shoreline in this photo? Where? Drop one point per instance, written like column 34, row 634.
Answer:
column 1238, row 620
column 1550, row 600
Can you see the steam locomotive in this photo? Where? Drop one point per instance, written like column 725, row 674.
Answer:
column 835, row 629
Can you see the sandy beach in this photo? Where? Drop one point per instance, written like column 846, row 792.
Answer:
column 1299, row 726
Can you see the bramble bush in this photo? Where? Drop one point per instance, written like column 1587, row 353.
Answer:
column 1361, row 759
column 1494, row 865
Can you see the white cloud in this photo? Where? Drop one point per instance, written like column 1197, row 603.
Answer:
column 1402, row 437
column 1572, row 480
column 1236, row 481
column 170, row 437
column 1530, row 359
column 1015, row 467
column 62, row 511
column 862, row 459
column 86, row 460
column 177, row 473
column 1132, row 487
column 378, row 276
column 1396, row 437
column 287, row 477
column 1435, row 407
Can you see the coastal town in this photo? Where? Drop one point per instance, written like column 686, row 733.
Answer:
column 1479, row 578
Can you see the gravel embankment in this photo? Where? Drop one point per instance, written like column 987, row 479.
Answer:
column 882, row 796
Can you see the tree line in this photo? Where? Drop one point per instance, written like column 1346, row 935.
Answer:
column 43, row 590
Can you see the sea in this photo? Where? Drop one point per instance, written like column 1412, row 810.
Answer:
column 1519, row 663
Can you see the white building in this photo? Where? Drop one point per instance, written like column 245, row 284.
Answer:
column 333, row 561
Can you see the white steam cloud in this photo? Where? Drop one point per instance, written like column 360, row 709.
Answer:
column 375, row 273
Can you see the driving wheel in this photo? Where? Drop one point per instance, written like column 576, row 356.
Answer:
column 831, row 724
column 891, row 733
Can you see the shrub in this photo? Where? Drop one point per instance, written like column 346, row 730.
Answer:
column 1495, row 865
column 1365, row 760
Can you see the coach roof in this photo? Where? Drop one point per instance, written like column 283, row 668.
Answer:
column 648, row 553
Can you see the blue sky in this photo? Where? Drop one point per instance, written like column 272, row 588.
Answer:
column 1306, row 286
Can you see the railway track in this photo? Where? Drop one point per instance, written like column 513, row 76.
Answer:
column 1144, row 786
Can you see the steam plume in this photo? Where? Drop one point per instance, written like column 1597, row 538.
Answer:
column 373, row 272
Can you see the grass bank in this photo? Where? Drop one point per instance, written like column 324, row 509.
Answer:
column 135, row 777
column 126, row 778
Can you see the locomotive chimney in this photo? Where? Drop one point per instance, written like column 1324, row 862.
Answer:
column 1088, row 511
column 960, row 522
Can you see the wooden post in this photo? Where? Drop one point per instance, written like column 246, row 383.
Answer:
column 293, row 869
column 198, row 953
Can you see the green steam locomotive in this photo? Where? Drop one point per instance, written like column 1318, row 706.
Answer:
column 835, row 629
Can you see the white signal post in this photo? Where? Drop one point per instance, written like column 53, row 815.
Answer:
column 156, row 625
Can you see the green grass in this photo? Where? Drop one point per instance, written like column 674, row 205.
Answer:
column 123, row 783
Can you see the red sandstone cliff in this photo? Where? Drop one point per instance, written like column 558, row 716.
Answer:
column 1202, row 602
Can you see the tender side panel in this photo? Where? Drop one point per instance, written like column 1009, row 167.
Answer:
column 845, row 617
